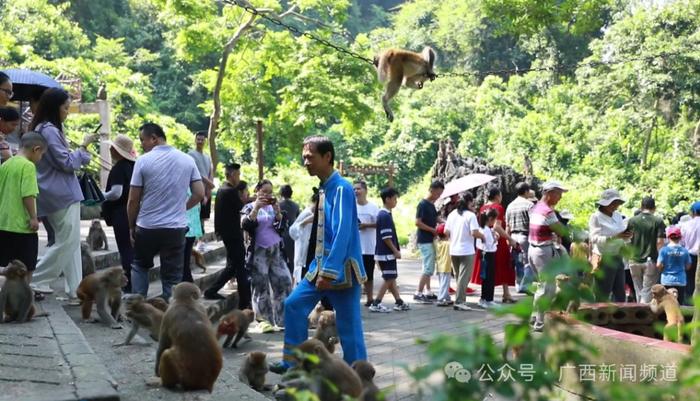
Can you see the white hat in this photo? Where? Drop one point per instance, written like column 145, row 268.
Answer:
column 609, row 196
column 552, row 185
column 124, row 146
column 566, row 215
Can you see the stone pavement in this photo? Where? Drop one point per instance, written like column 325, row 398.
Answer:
column 391, row 342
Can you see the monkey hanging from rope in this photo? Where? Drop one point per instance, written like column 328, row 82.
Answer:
column 397, row 67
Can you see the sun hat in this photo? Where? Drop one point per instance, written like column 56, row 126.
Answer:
column 124, row 146
column 552, row 185
column 566, row 215
column 609, row 196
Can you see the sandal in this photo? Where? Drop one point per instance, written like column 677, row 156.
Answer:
column 508, row 301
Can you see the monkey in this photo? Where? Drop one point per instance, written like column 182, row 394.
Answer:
column 366, row 372
column 16, row 297
column 315, row 315
column 103, row 287
column 96, row 238
column 219, row 309
column 235, row 324
column 159, row 303
column 327, row 331
column 254, row 370
column 188, row 354
column 198, row 258
column 664, row 301
column 86, row 258
column 673, row 291
column 142, row 313
column 397, row 67
column 337, row 378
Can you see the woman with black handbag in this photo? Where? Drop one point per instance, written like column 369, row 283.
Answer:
column 59, row 194
column 114, row 207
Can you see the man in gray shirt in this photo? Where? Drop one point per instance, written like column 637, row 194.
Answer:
column 203, row 162
column 156, row 208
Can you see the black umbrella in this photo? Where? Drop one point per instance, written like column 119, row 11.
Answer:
column 27, row 82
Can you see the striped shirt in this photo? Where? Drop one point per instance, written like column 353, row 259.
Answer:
column 518, row 215
column 385, row 230
column 542, row 217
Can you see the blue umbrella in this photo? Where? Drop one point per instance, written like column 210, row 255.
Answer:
column 27, row 82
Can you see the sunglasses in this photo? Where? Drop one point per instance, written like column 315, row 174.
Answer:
column 8, row 92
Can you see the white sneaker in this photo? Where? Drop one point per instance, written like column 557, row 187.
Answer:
column 492, row 304
column 380, row 308
column 462, row 307
column 484, row 304
column 43, row 289
column 201, row 247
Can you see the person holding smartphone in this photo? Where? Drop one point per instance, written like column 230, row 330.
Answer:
column 270, row 278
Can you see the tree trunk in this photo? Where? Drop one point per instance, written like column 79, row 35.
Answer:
column 216, row 113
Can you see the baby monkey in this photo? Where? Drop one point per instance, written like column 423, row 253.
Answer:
column 234, row 325
column 254, row 370
column 662, row 300
column 96, row 238
column 16, row 297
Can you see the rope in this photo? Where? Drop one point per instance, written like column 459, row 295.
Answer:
column 512, row 71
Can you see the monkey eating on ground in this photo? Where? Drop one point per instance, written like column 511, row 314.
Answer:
column 219, row 309
column 327, row 331
column 370, row 391
column 86, row 259
column 337, row 378
column 397, row 67
column 16, row 297
column 664, row 301
column 188, row 353
column 142, row 313
column 96, row 238
column 254, row 370
column 315, row 315
column 234, row 324
column 102, row 288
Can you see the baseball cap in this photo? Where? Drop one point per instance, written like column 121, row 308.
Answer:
column 673, row 231
column 552, row 185
column 695, row 207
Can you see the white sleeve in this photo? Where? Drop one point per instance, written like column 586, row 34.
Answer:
column 114, row 193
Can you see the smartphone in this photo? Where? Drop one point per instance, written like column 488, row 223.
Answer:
column 271, row 200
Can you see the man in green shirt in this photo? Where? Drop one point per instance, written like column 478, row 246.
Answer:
column 19, row 188
column 648, row 232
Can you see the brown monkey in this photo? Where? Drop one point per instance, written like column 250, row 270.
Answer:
column 188, row 353
column 327, row 331
column 254, row 370
column 337, row 378
column 159, row 303
column 86, row 258
column 102, row 288
column 397, row 67
column 370, row 391
column 315, row 315
column 664, row 301
column 198, row 258
column 16, row 297
column 142, row 313
column 235, row 324
column 217, row 310
column 96, row 238
column 673, row 291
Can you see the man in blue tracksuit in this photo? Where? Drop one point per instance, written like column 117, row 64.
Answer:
column 335, row 269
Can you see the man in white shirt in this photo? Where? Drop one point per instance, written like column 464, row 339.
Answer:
column 690, row 239
column 518, row 227
column 156, row 208
column 367, row 214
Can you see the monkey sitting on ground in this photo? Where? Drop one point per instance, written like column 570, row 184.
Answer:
column 337, row 379
column 96, row 238
column 234, row 324
column 188, row 353
column 327, row 331
column 254, row 370
column 397, row 67
column 101, row 288
column 198, row 258
column 219, row 309
column 315, row 315
column 86, row 258
column 664, row 301
column 370, row 391
column 142, row 313
column 16, row 297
